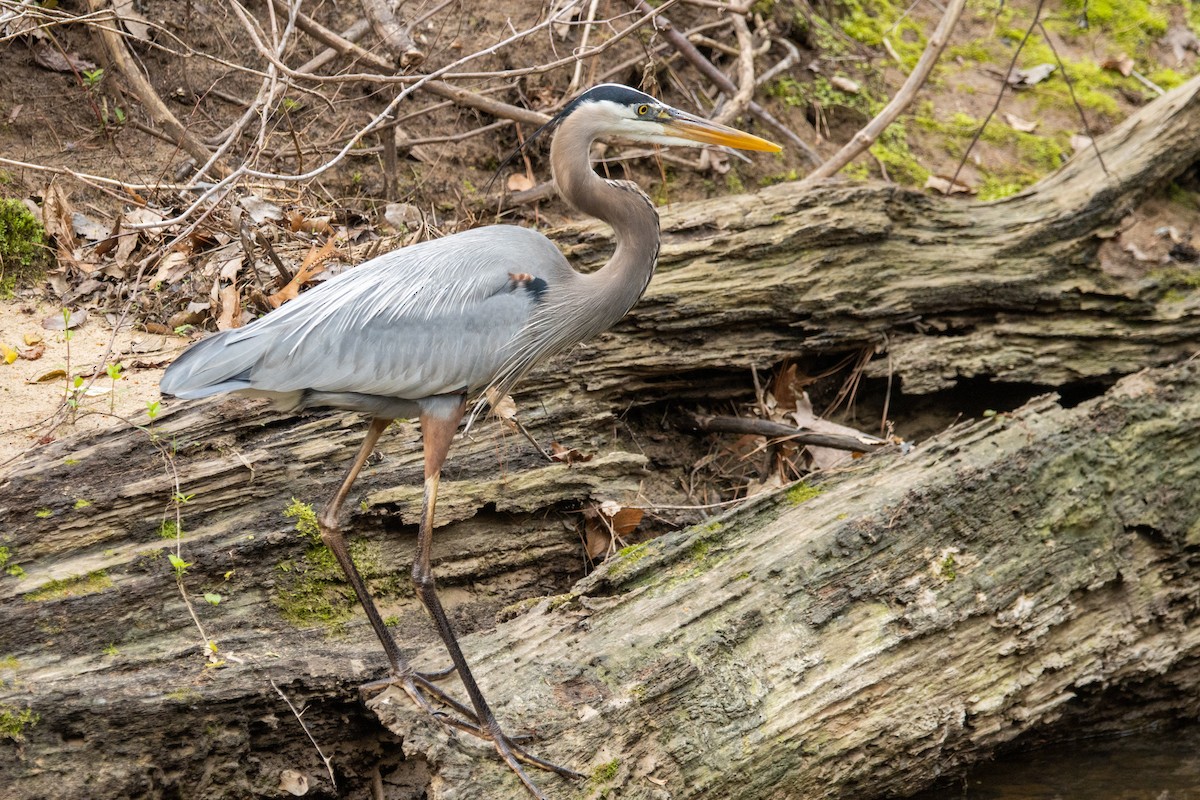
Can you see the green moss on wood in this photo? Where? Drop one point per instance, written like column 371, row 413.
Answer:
column 313, row 590
column 75, row 586
column 802, row 492
column 14, row 722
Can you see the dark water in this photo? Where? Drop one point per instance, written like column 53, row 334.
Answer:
column 1155, row 765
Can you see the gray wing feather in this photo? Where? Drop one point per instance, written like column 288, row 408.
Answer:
column 427, row 319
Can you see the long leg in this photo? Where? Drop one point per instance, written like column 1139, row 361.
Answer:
column 437, row 430
column 331, row 534
column 415, row 683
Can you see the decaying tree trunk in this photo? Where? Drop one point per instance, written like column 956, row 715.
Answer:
column 919, row 612
column 922, row 610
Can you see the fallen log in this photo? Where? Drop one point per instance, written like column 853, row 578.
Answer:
column 101, row 654
column 913, row 614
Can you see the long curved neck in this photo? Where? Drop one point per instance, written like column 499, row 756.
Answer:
column 619, row 284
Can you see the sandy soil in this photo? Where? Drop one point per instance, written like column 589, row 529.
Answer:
column 35, row 412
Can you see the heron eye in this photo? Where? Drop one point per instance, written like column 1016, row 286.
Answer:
column 643, row 110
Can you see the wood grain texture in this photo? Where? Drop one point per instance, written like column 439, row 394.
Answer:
column 923, row 610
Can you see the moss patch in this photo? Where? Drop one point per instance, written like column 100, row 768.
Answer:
column 14, row 722
column 23, row 252
column 76, row 586
column 802, row 492
column 313, row 590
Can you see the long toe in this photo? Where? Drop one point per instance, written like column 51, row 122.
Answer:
column 513, row 755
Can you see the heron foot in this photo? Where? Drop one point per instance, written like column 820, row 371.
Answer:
column 513, row 755
column 420, row 687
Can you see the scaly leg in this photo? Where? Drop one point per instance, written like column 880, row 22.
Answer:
column 437, row 431
column 416, row 684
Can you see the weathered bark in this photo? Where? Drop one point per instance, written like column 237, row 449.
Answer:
column 1084, row 513
column 921, row 611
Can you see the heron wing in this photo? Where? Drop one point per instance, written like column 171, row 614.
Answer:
column 427, row 319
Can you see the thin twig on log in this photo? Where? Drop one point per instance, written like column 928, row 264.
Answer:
column 867, row 136
column 689, row 51
column 777, row 430
column 1071, row 89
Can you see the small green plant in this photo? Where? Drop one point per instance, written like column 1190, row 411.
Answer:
column 152, row 410
column 178, row 564
column 606, row 772
column 110, row 649
column 81, row 503
column 114, row 375
column 212, row 598
column 92, row 77
column 14, row 722
column 43, row 513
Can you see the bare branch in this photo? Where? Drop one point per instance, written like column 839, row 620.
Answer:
column 115, row 46
column 867, row 136
column 396, row 36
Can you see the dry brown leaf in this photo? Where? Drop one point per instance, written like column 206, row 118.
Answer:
column 1018, row 124
column 293, row 782
column 597, row 539
column 1024, row 78
column 260, row 210
column 57, row 217
column 47, row 56
column 944, row 185
column 505, row 408
column 1121, row 63
column 56, row 322
column 52, row 375
column 568, row 455
column 313, row 265
column 403, row 216
column 171, row 267
column 625, row 521
column 135, row 23
column 518, row 182
column 231, row 308
column 32, row 353
column 297, row 220
column 845, row 84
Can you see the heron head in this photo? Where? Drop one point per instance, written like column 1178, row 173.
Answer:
column 611, row 109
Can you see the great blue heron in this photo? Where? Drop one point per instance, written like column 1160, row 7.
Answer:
column 415, row 332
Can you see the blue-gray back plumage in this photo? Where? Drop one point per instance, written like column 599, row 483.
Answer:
column 439, row 317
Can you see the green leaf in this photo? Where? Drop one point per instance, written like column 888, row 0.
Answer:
column 213, row 598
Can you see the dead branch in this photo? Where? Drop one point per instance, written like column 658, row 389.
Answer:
column 395, row 35
column 777, row 430
column 114, row 45
column 867, row 136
